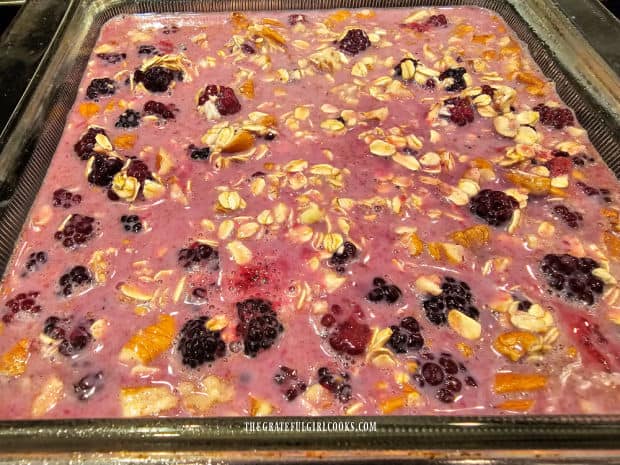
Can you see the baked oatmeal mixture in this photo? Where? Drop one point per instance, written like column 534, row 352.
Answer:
column 312, row 213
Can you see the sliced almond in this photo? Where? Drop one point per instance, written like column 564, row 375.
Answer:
column 465, row 326
column 146, row 401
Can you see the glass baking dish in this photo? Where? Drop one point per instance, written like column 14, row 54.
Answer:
column 585, row 83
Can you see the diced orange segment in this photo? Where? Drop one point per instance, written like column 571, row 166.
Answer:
column 537, row 185
column 393, row 403
column 518, row 382
column 514, row 344
column 272, row 22
column 463, row 29
column 516, row 405
column 15, row 360
column 241, row 141
column 150, row 342
column 529, row 78
column 247, row 88
column 612, row 242
column 365, row 14
column 125, row 141
column 482, row 38
column 239, row 20
column 337, row 17
column 489, row 55
column 269, row 120
column 473, row 237
column 88, row 109
column 273, row 35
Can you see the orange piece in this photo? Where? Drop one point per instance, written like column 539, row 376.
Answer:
column 529, row 78
column 489, row 55
column 434, row 248
column 482, row 163
column 365, row 14
column 473, row 237
column 125, row 141
column 270, row 121
column 337, row 17
column 273, row 35
column 243, row 140
column 239, row 21
column 463, row 29
column 272, row 22
column 247, row 88
column 415, row 245
column 110, row 105
column 514, row 344
column 516, row 405
column 393, row 403
column 509, row 50
column 88, row 109
column 149, row 342
column 536, row 185
column 518, row 382
column 14, row 361
column 612, row 242
column 482, row 38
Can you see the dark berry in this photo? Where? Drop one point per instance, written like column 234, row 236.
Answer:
column 55, row 327
column 77, row 278
column 112, row 58
column 247, row 48
column 349, row 252
column 84, row 147
column 147, row 50
column 456, row 75
column 445, row 395
column 100, row 87
column 455, row 295
column 449, row 365
column 328, row 320
column 157, row 108
column 383, row 291
column 173, row 29
column 156, row 78
column 199, row 153
column 572, row 219
column 437, row 21
column 198, row 344
column 76, row 231
column 24, row 302
column 35, row 261
column 572, row 276
column 129, row 119
column 86, row 387
column 258, row 325
column 592, row 341
column 139, row 170
column 588, row 190
column 131, row 223
column 290, row 384
column 494, row 207
column 555, row 117
column 336, row 383
column 78, row 339
column 296, row 18
column 488, row 90
column 354, row 42
column 199, row 255
column 350, row 337
column 461, row 110
column 558, row 166
column 103, row 169
column 432, row 373
column 65, row 199
column 224, row 97
column 406, row 336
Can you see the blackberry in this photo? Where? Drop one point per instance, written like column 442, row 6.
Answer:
column 247, row 48
column 198, row 344
column 350, row 337
column 488, row 90
column 455, row 295
column 340, row 259
column 139, row 170
column 24, row 302
column 55, row 327
column 35, row 261
column 571, row 218
column 456, row 75
column 129, row 119
column 77, row 278
column 112, row 58
column 100, row 87
column 354, row 42
column 147, row 50
column 593, row 191
column 131, row 223
column 84, row 147
column 559, row 165
column 443, row 376
column 461, row 110
column 157, row 108
column 225, row 99
column 156, row 78
column 406, row 336
column 494, row 207
column 437, row 21
column 572, row 277
column 258, row 325
column 296, row 18
column 337, row 384
column 76, row 231
column 383, row 291
column 103, row 169
column 199, row 153
column 65, row 199
column 555, row 117
column 199, row 255
column 86, row 387
column 290, row 384
column 78, row 339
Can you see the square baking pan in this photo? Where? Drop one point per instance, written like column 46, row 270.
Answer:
column 584, row 81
